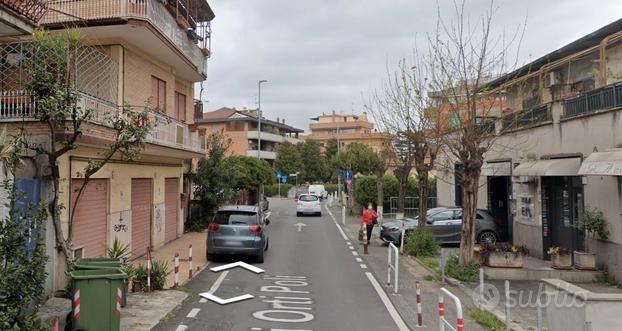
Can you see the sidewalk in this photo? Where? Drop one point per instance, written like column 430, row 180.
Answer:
column 410, row 271
column 181, row 245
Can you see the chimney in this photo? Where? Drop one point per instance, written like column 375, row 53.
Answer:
column 283, row 121
column 277, row 120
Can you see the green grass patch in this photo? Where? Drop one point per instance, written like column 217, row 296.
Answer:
column 487, row 320
column 431, row 263
column 467, row 273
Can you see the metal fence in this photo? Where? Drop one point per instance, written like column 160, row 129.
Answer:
column 606, row 97
column 411, row 205
column 526, row 118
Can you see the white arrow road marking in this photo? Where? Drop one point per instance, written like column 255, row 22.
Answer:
column 238, row 264
column 300, row 225
column 221, row 301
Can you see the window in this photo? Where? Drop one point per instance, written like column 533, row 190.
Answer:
column 443, row 216
column 180, row 107
column 215, row 128
column 158, row 93
column 235, row 218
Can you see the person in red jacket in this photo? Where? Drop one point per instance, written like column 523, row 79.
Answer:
column 369, row 218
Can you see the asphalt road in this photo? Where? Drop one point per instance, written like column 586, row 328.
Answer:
column 313, row 280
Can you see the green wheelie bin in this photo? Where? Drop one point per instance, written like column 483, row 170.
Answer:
column 96, row 299
column 102, row 263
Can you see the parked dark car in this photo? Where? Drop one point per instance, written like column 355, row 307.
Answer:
column 238, row 229
column 446, row 224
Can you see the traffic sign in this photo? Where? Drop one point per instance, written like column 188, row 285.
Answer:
column 349, row 175
column 283, row 179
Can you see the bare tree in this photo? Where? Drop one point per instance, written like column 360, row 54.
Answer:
column 464, row 58
column 401, row 108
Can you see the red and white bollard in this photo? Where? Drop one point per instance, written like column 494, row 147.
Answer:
column 419, row 312
column 56, row 327
column 176, row 270
column 148, row 269
column 76, row 304
column 365, row 243
column 117, row 310
column 190, row 261
column 441, row 312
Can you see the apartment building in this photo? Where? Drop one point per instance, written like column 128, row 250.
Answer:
column 146, row 54
column 560, row 149
column 346, row 129
column 240, row 126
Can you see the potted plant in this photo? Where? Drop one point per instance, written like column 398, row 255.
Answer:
column 594, row 226
column 561, row 258
column 503, row 255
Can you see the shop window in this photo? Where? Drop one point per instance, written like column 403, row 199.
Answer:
column 158, row 93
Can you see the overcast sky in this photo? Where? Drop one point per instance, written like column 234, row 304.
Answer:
column 320, row 55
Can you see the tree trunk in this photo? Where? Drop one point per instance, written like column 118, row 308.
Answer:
column 470, row 183
column 423, row 196
column 401, row 193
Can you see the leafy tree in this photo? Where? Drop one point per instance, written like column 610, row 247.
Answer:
column 331, row 148
column 248, row 172
column 315, row 167
column 288, row 159
column 23, row 271
column 212, row 179
column 51, row 80
column 357, row 157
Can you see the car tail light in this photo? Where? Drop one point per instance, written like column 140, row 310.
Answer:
column 256, row 229
column 213, row 228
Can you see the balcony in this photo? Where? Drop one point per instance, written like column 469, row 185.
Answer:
column 265, row 136
column 527, row 118
column 607, row 97
column 33, row 10
column 267, row 155
column 193, row 44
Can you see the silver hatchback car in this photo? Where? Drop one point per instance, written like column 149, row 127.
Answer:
column 238, row 230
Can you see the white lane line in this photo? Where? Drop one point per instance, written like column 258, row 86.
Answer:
column 203, row 300
column 348, row 243
column 355, row 253
column 351, row 247
column 218, row 281
column 387, row 303
column 181, row 327
column 193, row 313
column 358, row 259
column 338, row 226
column 363, row 266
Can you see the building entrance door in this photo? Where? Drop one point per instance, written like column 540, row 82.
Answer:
column 562, row 206
column 498, row 198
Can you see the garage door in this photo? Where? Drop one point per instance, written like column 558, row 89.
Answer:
column 141, row 216
column 91, row 216
column 171, row 206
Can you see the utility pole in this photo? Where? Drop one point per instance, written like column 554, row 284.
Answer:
column 338, row 175
column 259, row 118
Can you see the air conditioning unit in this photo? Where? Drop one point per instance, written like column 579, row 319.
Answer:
column 552, row 78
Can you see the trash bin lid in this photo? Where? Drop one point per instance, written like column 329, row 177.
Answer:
column 108, row 273
column 97, row 264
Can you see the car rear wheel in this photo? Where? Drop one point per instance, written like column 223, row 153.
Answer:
column 319, row 214
column 259, row 256
column 298, row 214
column 267, row 244
column 211, row 257
column 487, row 237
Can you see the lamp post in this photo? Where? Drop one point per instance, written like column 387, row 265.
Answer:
column 259, row 118
column 338, row 175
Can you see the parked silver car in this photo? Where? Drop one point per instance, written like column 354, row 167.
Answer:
column 238, row 230
column 446, row 224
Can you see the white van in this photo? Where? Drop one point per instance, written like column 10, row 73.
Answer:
column 318, row 190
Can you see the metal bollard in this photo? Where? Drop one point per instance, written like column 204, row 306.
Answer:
column 148, row 269
column 507, row 306
column 402, row 235
column 443, row 262
column 176, row 270
column 343, row 215
column 190, row 261
column 419, row 310
column 481, row 287
column 365, row 243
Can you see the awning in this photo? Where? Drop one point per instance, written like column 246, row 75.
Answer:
column 497, row 169
column 551, row 167
column 608, row 163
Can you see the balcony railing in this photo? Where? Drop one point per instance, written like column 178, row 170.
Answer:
column 526, row 118
column 170, row 132
column 33, row 10
column 606, row 97
column 154, row 11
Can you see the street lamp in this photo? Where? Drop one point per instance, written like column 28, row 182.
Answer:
column 259, row 118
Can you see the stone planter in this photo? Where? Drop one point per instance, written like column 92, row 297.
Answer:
column 505, row 260
column 561, row 261
column 584, row 261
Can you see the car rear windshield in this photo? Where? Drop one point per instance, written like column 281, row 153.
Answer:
column 235, row 218
column 308, row 198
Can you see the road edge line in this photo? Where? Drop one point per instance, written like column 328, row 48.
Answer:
column 343, row 234
column 395, row 315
